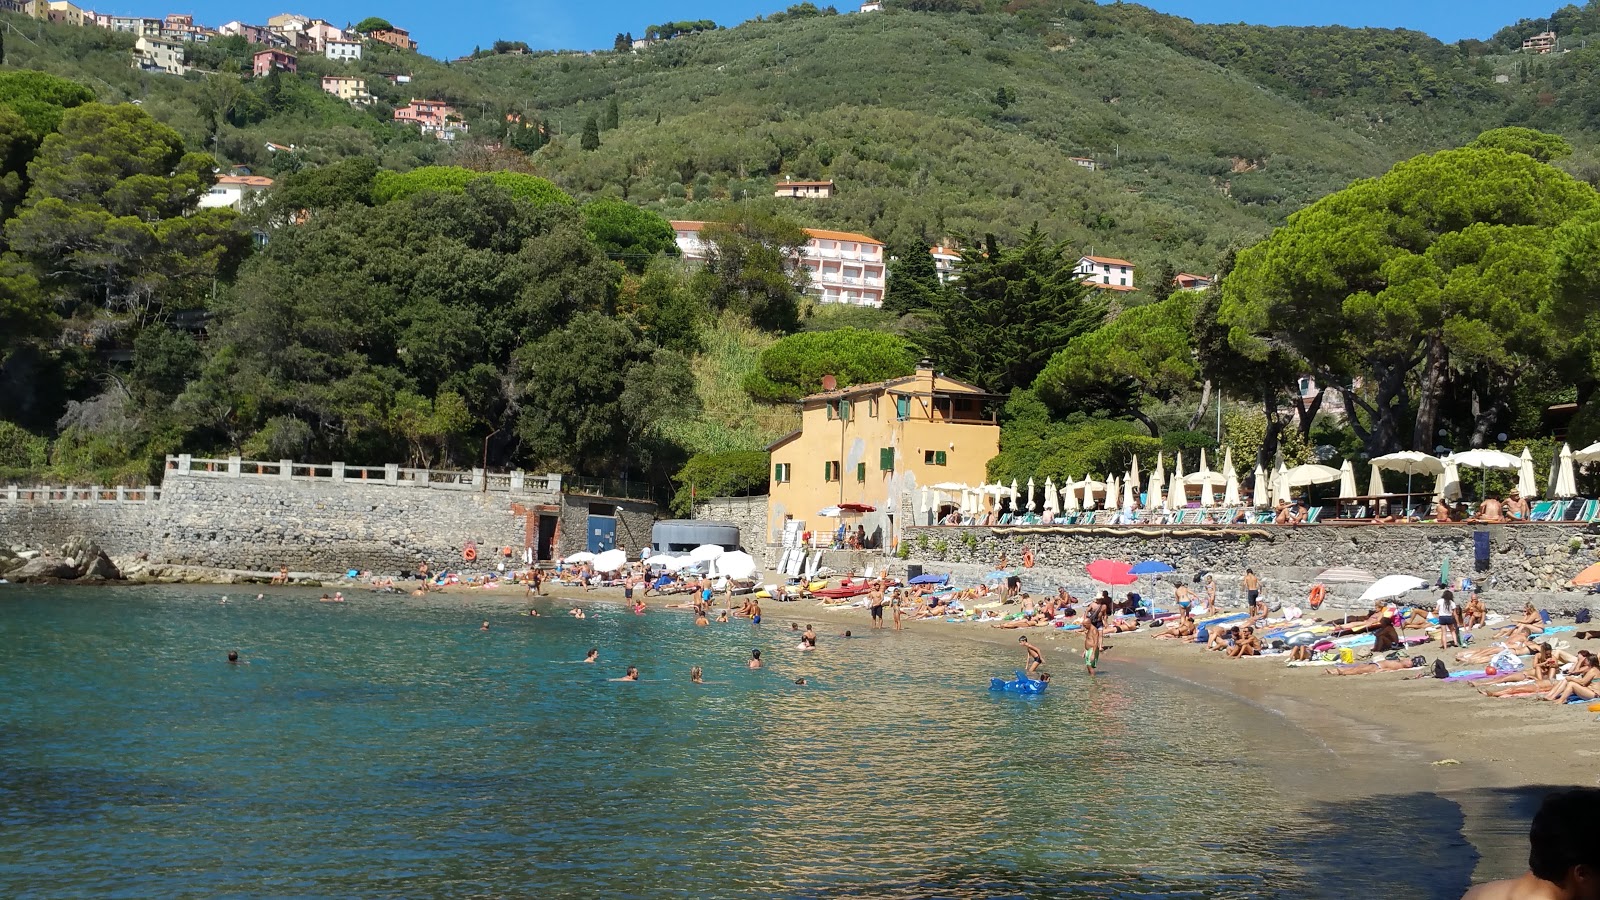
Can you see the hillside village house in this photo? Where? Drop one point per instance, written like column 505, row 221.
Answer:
column 133, row 25
column 155, row 54
column 1084, row 162
column 1185, row 281
column 255, row 34
column 234, row 191
column 805, row 190
column 872, row 443
column 347, row 88
column 945, row 261
column 341, row 51
column 872, row 6
column 288, row 22
column 68, row 13
column 1106, row 272
column 265, row 61
column 394, row 37
column 844, row 267
column 1543, row 42
column 434, row 117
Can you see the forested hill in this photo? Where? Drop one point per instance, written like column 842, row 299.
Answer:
column 932, row 121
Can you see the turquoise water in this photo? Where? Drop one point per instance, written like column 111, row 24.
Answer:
column 387, row 747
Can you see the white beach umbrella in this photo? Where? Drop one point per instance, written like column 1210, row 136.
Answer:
column 1390, row 586
column 1206, row 479
column 706, row 552
column 581, row 556
column 1448, row 485
column 1260, row 492
column 1013, row 493
column 1133, row 470
column 1527, row 484
column 1113, row 494
column 1230, row 490
column 1177, row 495
column 1485, row 459
column 1375, row 483
column 683, row 562
column 1347, row 480
column 660, row 559
column 1153, row 498
column 1050, row 496
column 1280, row 484
column 1413, row 463
column 610, row 560
column 1588, row 454
column 1160, row 474
column 1130, row 495
column 734, row 564
column 1069, row 498
column 1177, row 464
column 1563, row 483
column 1311, row 473
column 1033, row 504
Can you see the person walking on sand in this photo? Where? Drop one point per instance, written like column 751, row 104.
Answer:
column 1035, row 657
column 1563, row 856
column 1252, row 590
column 1448, row 622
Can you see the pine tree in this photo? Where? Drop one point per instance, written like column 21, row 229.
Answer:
column 622, row 44
column 613, row 115
column 591, row 134
column 913, row 279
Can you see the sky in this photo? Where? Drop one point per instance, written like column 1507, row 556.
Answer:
column 445, row 30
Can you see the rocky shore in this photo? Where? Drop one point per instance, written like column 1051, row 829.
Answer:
column 82, row 561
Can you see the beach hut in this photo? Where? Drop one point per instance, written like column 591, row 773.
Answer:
column 1563, row 480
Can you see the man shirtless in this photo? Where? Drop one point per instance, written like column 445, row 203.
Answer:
column 1517, row 508
column 1035, row 657
column 1490, row 510
column 1563, row 856
column 1247, row 644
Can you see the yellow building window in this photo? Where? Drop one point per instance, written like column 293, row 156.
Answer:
column 861, row 473
column 886, row 459
column 830, row 470
column 933, row 457
column 780, row 473
column 872, row 407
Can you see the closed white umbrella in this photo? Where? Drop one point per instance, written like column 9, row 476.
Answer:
column 1033, row 505
column 1130, row 495
column 1230, row 490
column 1153, row 498
column 1069, row 497
column 1160, row 474
column 1013, row 492
column 1527, row 484
column 1133, row 470
column 1260, row 492
column 1565, row 482
column 1113, row 498
column 1448, row 485
column 1390, row 586
column 1347, row 480
column 1178, row 495
column 1280, row 484
column 1050, row 497
column 1375, row 483
column 1206, row 479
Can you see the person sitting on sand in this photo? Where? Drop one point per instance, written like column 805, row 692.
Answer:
column 1222, row 639
column 1184, row 627
column 1385, row 638
column 1489, row 511
column 1579, row 681
column 1516, row 507
column 1526, row 627
column 1247, row 644
column 1583, row 672
column 1381, row 665
column 1563, row 856
column 1473, row 613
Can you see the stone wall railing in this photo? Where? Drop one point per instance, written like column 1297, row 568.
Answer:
column 92, row 494
column 394, row 475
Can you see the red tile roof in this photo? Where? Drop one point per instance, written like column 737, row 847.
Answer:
column 1108, row 261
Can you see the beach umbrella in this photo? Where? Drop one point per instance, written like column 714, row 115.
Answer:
column 1391, row 586
column 929, row 578
column 582, row 556
column 733, row 564
column 1260, row 491
column 1152, row 497
column 1346, row 575
column 1150, row 567
column 1178, row 496
column 1526, row 483
column 661, row 559
column 1485, row 459
column 1130, row 494
column 1375, row 482
column 1310, row 473
column 1206, row 479
column 1050, row 496
column 1069, row 497
column 684, row 562
column 1013, row 497
column 706, row 552
column 1412, row 463
column 1033, row 505
column 1161, row 469
column 1347, row 480
column 1448, row 484
column 1230, row 490
column 1588, row 454
column 1133, row 470
column 1587, row 578
column 1563, row 481
column 1280, row 484
column 1111, row 571
column 610, row 560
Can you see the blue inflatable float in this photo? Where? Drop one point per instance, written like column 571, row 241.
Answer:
column 1021, row 685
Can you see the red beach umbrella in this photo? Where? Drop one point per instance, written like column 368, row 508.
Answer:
column 1587, row 577
column 1111, row 571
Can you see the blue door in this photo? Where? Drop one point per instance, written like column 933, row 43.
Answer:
column 602, row 533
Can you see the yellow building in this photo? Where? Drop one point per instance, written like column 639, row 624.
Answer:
column 874, row 443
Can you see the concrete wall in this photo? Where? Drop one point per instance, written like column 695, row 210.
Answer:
column 1532, row 561
column 749, row 513
column 261, row 522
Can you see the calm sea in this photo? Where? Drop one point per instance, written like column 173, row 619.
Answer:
column 387, row 747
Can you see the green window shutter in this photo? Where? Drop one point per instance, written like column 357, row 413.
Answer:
column 902, row 408
column 844, row 410
column 861, row 471
column 938, row 458
column 886, row 459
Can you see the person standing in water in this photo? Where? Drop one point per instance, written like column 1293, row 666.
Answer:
column 593, row 655
column 809, row 638
column 875, row 603
column 755, row 611
column 633, row 675
column 1035, row 657
column 755, row 659
column 694, row 675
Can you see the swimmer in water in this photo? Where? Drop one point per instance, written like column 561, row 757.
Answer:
column 800, row 681
column 260, row 596
column 809, row 638
column 338, row 596
column 755, row 659
column 576, row 613
column 694, row 675
column 594, row 655
column 485, row 627
column 324, row 599
column 633, row 675
column 722, row 616
column 700, row 618
column 233, row 657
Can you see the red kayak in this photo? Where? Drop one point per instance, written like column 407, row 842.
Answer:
column 843, row 592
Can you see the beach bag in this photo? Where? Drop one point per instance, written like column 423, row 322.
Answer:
column 1581, row 617
column 1506, row 661
column 1203, row 634
column 1347, row 655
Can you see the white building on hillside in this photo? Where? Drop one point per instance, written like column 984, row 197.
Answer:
column 234, row 191
column 154, row 54
column 945, row 261
column 341, row 51
column 1106, row 272
column 844, row 267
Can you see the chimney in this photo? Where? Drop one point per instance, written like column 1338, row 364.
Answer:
column 925, row 368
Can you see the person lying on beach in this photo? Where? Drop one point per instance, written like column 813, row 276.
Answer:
column 1247, row 644
column 1033, row 621
column 1563, row 856
column 1481, row 655
column 1582, row 672
column 1382, row 665
column 1181, row 629
column 1119, row 626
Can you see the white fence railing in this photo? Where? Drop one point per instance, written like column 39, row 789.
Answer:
column 394, row 475
column 92, row 494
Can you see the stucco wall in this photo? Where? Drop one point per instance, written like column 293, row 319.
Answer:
column 749, row 514
column 1533, row 561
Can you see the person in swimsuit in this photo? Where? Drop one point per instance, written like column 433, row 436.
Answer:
column 1563, row 856
column 1252, row 591
column 593, row 655
column 755, row 659
column 633, row 675
column 694, row 675
column 875, row 603
column 700, row 619
column 1035, row 657
column 233, row 657
column 809, row 638
column 1382, row 665
column 755, row 612
column 1448, row 628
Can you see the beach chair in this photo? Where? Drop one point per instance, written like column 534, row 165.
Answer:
column 1263, row 518
column 1574, row 510
column 1591, row 511
column 1314, row 515
column 1541, row 511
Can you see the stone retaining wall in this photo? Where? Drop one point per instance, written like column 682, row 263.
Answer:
column 749, row 513
column 1533, row 560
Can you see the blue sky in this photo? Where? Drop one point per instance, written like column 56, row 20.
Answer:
column 448, row 30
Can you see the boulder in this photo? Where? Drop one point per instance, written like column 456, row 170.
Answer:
column 9, row 561
column 44, row 568
column 101, row 566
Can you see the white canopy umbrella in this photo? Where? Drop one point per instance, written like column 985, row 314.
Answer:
column 1485, row 459
column 610, row 560
column 1390, row 586
column 1230, row 490
column 1588, row 454
column 706, row 552
column 1033, row 504
column 1013, row 493
column 1347, row 480
column 734, row 564
column 1412, row 463
column 1206, row 480
column 581, row 556
column 1050, row 496
column 683, row 562
column 1527, row 484
column 1563, row 480
column 1310, row 473
column 1178, row 496
column 1153, row 498
column 1260, row 493
column 660, row 559
column 1130, row 495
